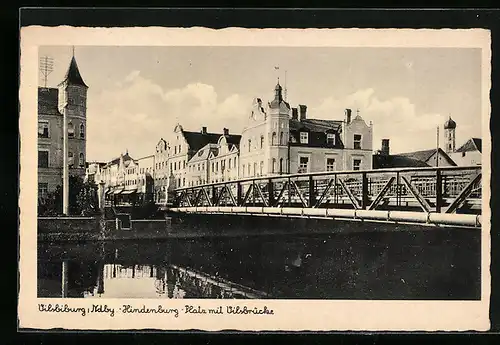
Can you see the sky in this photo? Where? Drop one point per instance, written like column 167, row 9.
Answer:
column 137, row 95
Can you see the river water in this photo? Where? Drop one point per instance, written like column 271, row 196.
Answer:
column 432, row 264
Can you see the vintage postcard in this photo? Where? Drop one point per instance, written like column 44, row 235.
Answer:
column 268, row 180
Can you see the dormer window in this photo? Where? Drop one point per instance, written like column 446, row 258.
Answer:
column 304, row 137
column 330, row 138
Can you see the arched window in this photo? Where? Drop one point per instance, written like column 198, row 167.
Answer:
column 274, row 165
column 261, row 141
column 70, row 158
column 273, row 138
column 281, row 165
column 82, row 131
column 234, row 162
column 261, row 168
column 71, row 130
column 282, row 138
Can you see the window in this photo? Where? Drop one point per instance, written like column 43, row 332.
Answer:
column 261, row 141
column 357, row 141
column 70, row 158
column 184, row 164
column 304, row 137
column 449, row 147
column 356, row 164
column 449, row 135
column 71, row 130
column 43, row 159
column 330, row 139
column 249, row 144
column 43, row 189
column 82, row 131
column 213, row 166
column 180, row 148
column 229, row 163
column 234, row 162
column 170, row 166
column 282, row 138
column 303, row 164
column 254, row 169
column 216, row 166
column 274, row 165
column 183, row 181
column 82, row 160
column 281, row 165
column 261, row 167
column 330, row 164
column 463, row 154
column 249, row 167
column 43, row 129
column 273, row 138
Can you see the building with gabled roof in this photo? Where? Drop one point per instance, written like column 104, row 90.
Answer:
column 470, row 153
column 280, row 139
column 432, row 157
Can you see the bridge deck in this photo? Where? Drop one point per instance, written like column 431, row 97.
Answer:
column 445, row 195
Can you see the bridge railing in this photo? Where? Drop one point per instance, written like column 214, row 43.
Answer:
column 442, row 189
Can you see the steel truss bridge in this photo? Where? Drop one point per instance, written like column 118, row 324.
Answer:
column 436, row 196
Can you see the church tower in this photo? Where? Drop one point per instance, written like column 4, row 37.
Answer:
column 449, row 135
column 278, row 131
column 73, row 101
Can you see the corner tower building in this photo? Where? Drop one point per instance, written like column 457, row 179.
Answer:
column 69, row 97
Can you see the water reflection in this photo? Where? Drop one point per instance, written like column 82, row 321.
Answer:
column 426, row 265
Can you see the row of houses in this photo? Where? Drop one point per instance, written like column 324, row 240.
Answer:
column 277, row 139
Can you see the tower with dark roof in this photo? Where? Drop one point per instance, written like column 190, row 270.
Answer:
column 449, row 135
column 73, row 100
column 278, row 132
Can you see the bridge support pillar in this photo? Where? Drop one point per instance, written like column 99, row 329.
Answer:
column 270, row 189
column 239, row 194
column 365, row 202
column 312, row 196
column 439, row 190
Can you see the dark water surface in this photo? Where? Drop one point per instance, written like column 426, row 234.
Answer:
column 427, row 264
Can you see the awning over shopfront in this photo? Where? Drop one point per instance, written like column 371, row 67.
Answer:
column 108, row 191
column 118, row 191
column 129, row 191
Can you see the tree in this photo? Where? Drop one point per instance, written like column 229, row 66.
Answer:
column 83, row 199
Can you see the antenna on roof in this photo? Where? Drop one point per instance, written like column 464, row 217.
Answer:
column 46, row 67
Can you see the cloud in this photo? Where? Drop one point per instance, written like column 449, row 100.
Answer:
column 394, row 118
column 138, row 112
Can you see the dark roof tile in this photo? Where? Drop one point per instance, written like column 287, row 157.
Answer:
column 473, row 144
column 396, row 161
column 73, row 75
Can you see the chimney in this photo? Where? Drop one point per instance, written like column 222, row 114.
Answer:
column 348, row 116
column 203, row 130
column 385, row 147
column 226, row 131
column 295, row 114
column 303, row 110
